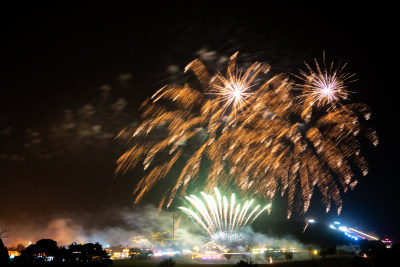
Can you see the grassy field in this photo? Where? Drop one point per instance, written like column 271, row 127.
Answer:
column 328, row 262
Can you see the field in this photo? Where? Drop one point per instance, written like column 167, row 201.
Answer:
column 328, row 262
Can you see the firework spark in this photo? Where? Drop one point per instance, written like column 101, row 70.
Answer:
column 221, row 218
column 325, row 85
column 234, row 89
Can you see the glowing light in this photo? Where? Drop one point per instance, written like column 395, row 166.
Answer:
column 311, row 221
column 12, row 254
column 234, row 91
column 211, row 255
column 364, row 234
column 326, row 85
column 166, row 253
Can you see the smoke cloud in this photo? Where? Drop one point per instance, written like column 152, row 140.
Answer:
column 140, row 222
column 130, row 223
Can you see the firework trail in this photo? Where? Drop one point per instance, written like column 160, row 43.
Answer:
column 261, row 136
column 221, row 218
column 188, row 121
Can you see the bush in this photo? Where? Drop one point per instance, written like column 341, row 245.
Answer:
column 243, row 263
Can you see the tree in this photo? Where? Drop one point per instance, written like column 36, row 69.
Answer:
column 88, row 253
column 64, row 255
column 3, row 254
column 288, row 255
column 40, row 251
column 243, row 263
column 47, row 246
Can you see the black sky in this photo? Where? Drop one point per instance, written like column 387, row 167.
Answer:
column 55, row 57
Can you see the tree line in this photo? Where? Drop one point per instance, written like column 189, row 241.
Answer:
column 47, row 252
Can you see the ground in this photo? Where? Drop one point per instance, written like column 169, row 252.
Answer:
column 328, row 262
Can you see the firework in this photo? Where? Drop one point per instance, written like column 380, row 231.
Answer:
column 258, row 135
column 221, row 218
column 181, row 123
column 296, row 146
column 326, row 85
column 234, row 89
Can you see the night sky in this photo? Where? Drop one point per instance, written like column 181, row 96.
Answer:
column 73, row 75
